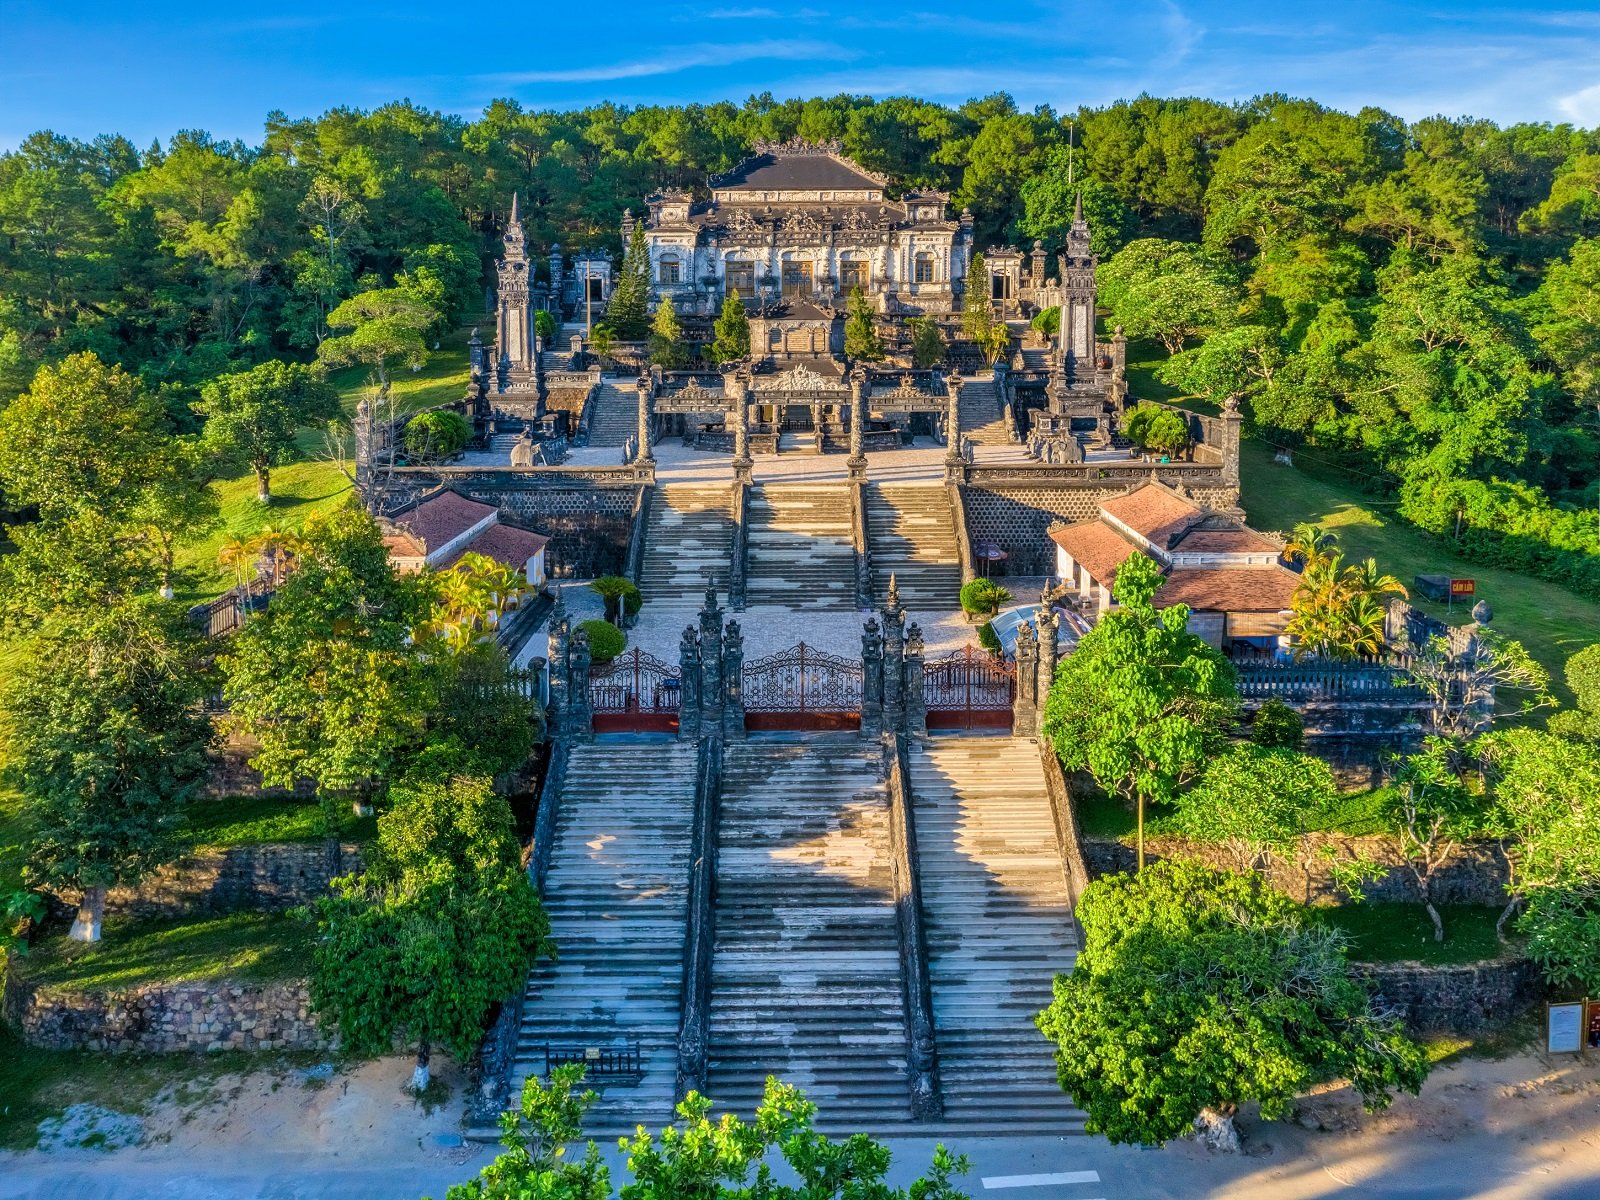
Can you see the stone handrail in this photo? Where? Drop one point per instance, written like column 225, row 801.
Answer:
column 511, row 476
column 958, row 511
column 1125, row 474
column 863, row 549
column 499, row 1050
column 1074, row 869
column 637, row 531
column 736, row 552
column 922, row 1056
column 1370, row 680
column 700, row 928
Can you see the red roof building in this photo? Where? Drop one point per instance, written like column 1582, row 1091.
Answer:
column 441, row 529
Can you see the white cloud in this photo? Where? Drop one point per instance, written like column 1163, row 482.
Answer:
column 1582, row 107
column 683, row 59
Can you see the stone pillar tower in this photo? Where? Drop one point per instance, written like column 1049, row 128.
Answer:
column 894, row 624
column 646, row 455
column 580, row 712
column 916, row 704
column 736, row 386
column 555, row 282
column 1078, row 297
column 871, row 679
column 557, row 660
column 689, row 685
column 1025, row 711
column 952, row 431
column 1049, row 648
column 733, row 682
column 514, row 320
column 711, row 685
column 857, row 462
column 366, row 451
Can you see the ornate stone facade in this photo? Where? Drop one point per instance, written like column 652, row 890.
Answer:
column 798, row 220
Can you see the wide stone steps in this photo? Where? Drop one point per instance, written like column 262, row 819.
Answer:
column 999, row 927
column 615, row 418
column 616, row 894
column 799, row 548
column 806, row 975
column 911, row 533
column 982, row 418
column 690, row 533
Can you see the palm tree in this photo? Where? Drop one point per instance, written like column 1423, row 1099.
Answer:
column 238, row 554
column 1308, row 543
column 1366, row 579
column 280, row 548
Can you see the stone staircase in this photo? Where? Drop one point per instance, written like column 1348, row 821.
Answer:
column 806, row 975
column 615, row 417
column 799, row 552
column 981, row 417
column 999, row 927
column 1036, row 360
column 617, row 895
column 690, row 531
column 911, row 532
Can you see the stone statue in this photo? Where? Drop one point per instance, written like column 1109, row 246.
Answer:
column 522, row 451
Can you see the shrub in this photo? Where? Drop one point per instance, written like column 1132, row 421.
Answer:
column 606, row 641
column 988, row 639
column 1278, row 727
column 983, row 596
column 438, row 433
column 617, row 591
column 1047, row 321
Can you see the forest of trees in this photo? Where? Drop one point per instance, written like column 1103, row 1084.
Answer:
column 1419, row 302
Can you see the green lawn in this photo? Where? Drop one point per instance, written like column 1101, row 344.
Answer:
column 1356, row 814
column 1551, row 621
column 243, row 821
column 312, row 485
column 1381, row 933
column 248, row 947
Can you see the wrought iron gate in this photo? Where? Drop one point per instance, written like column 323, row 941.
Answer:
column 635, row 693
column 969, row 689
column 802, row 688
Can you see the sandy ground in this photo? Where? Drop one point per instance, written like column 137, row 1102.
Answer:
column 1522, row 1127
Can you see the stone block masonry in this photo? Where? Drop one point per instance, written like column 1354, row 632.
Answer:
column 264, row 877
column 166, row 1018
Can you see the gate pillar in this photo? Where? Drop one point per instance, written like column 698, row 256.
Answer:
column 871, row 679
column 733, row 682
column 689, row 686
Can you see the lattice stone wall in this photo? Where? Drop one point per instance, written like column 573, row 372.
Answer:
column 1019, row 519
column 588, row 527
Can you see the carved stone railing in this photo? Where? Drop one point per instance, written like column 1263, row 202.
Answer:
column 922, row 1055
column 499, row 1049
column 863, row 547
column 512, row 477
column 958, row 511
column 1092, row 474
column 1074, row 870
column 700, row 929
column 740, row 505
column 1387, row 680
column 637, row 533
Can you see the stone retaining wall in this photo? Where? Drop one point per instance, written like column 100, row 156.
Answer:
column 165, row 1018
column 1468, row 999
column 264, row 877
column 1475, row 875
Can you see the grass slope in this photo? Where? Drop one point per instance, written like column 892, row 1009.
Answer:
column 1381, row 933
column 1550, row 621
column 310, row 486
column 246, row 947
column 247, row 820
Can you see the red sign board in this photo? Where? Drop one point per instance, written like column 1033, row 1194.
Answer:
column 1463, row 587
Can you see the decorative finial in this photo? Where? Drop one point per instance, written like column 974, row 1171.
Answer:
column 516, row 209
column 893, row 598
column 1077, row 208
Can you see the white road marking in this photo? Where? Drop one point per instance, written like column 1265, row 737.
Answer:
column 991, row 1182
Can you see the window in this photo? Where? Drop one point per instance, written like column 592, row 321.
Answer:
column 796, row 278
column 671, row 271
column 922, row 269
column 742, row 278
column 852, row 274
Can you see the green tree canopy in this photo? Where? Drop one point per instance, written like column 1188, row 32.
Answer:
column 106, row 742
column 1142, row 703
column 731, row 332
column 1255, row 800
column 385, row 332
column 252, row 416
column 861, row 341
column 1169, row 291
column 628, row 309
column 666, row 336
column 1197, row 990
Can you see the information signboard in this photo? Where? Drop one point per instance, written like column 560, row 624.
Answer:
column 1564, row 1027
column 1463, row 587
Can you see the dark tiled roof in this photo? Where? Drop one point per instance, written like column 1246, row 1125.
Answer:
column 794, row 172
column 1229, row 589
column 1096, row 547
column 1155, row 512
column 509, row 545
column 439, row 518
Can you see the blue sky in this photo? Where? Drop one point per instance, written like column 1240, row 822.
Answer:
column 146, row 69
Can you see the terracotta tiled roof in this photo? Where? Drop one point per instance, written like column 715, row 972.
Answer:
column 1155, row 512
column 1096, row 547
column 403, row 545
column 442, row 517
column 1229, row 589
column 1238, row 540
column 508, row 545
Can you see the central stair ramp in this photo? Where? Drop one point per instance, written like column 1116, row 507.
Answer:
column 800, row 551
column 689, row 537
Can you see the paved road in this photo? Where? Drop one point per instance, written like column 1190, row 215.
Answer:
column 1077, row 1168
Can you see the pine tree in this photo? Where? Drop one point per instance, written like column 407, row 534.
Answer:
column 628, row 310
column 861, row 341
column 927, row 343
column 666, row 336
column 731, row 333
column 977, row 317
